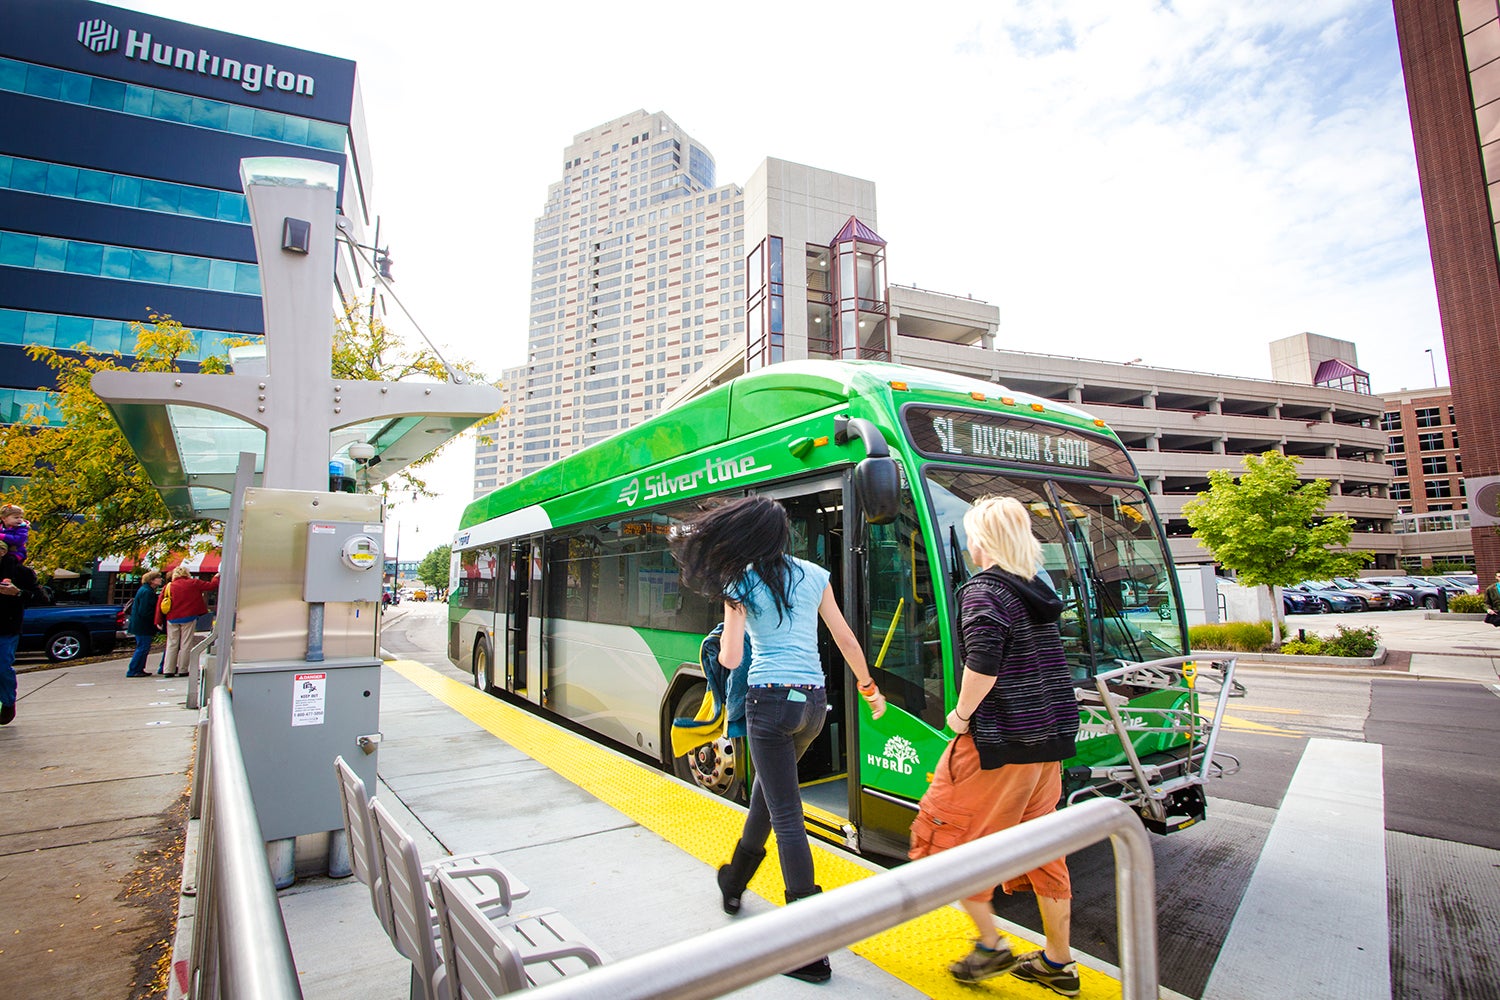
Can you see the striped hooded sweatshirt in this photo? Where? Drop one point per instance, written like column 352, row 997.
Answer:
column 1008, row 630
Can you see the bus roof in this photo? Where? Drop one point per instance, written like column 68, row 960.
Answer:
column 757, row 400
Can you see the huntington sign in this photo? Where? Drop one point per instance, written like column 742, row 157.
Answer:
column 103, row 38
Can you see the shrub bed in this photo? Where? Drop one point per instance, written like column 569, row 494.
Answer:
column 1239, row 637
column 1466, row 604
column 1346, row 642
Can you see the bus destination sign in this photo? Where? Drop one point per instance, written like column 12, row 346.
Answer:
column 995, row 437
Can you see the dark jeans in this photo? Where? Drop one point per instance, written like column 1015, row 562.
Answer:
column 780, row 728
column 8, row 644
column 138, row 658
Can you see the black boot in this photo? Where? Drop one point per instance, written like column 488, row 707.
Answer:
column 818, row 970
column 734, row 876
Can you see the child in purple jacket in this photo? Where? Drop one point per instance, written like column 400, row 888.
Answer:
column 14, row 529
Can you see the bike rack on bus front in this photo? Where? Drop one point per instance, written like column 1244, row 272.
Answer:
column 1152, row 800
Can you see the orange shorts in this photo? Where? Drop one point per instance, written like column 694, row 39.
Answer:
column 966, row 802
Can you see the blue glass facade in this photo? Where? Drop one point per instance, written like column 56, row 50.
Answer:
column 119, row 174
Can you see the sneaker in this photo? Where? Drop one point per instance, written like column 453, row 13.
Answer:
column 981, row 963
column 1033, row 968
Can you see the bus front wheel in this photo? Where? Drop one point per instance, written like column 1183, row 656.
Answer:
column 482, row 666
column 720, row 766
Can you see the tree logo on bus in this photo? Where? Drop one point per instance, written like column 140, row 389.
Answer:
column 714, row 471
column 899, row 756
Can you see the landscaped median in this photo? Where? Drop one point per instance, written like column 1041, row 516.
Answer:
column 1347, row 647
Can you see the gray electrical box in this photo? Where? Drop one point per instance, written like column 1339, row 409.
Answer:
column 294, row 718
column 345, row 561
column 309, row 580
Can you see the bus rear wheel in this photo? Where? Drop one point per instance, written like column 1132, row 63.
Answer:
column 721, row 766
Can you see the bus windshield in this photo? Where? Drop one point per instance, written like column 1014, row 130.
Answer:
column 1101, row 552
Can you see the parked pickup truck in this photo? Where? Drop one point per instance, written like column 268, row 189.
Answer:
column 68, row 631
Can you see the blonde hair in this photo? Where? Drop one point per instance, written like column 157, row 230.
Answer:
column 149, row 575
column 1001, row 526
column 12, row 508
column 180, row 572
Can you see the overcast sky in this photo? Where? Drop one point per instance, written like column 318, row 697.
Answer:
column 1177, row 182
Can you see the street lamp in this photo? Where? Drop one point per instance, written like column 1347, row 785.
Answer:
column 1432, row 359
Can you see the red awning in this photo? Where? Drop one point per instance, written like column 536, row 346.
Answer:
column 197, row 562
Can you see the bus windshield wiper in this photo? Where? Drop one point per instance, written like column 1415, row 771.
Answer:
column 959, row 573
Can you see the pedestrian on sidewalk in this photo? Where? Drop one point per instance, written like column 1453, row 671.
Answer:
column 737, row 551
column 1492, row 601
column 1016, row 720
column 178, row 610
column 142, row 621
column 18, row 588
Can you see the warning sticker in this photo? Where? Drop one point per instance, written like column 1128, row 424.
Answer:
column 308, row 692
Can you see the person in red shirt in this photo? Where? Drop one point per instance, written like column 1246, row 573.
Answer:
column 178, row 609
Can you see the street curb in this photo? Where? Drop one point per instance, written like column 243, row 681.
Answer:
column 1281, row 659
column 1450, row 616
column 178, row 986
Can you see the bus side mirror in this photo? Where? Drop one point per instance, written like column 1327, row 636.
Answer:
column 877, row 487
column 877, row 483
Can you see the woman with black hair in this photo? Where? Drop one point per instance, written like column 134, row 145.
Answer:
column 738, row 551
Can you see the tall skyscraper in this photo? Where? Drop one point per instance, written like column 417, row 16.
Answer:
column 637, row 276
column 1450, row 54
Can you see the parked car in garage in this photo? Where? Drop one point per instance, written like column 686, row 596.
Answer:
column 1399, row 598
column 1461, row 583
column 1422, row 592
column 1296, row 603
column 1330, row 599
column 1375, row 598
column 1358, row 594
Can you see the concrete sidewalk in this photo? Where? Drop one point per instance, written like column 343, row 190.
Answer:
column 458, row 789
column 93, row 775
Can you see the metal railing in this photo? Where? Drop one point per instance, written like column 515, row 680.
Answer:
column 240, row 946
column 747, row 951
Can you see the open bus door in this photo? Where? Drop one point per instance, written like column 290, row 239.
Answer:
column 879, row 572
column 525, row 672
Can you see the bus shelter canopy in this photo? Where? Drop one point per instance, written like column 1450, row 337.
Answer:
column 190, row 453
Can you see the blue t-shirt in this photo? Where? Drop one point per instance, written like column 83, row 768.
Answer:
column 786, row 651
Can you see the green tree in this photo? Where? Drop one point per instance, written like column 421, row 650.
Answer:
column 1271, row 529
column 84, row 492
column 433, row 569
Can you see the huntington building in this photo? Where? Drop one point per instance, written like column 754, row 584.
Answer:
column 119, row 176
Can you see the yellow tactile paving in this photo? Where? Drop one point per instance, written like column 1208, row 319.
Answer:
column 916, row 952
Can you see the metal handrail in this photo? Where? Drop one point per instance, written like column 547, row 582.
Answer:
column 747, row 951
column 240, row 945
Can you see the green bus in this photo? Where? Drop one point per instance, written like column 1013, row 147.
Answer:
column 563, row 593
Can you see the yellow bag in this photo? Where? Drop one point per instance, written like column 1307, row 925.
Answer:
column 687, row 737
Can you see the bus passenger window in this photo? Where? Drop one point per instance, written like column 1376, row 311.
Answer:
column 476, row 579
column 622, row 573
